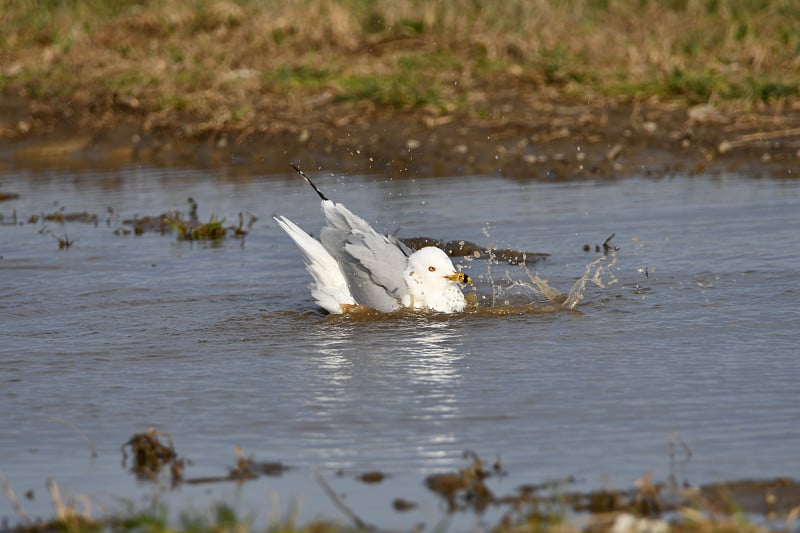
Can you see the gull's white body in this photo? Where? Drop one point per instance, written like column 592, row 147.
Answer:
column 352, row 264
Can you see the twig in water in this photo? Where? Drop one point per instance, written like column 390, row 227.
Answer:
column 337, row 501
column 673, row 439
column 606, row 246
column 12, row 497
column 87, row 440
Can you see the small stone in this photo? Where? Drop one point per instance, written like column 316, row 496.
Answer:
column 401, row 505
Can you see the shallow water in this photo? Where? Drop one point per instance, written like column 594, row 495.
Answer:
column 693, row 339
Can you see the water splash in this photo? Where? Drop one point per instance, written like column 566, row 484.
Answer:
column 511, row 293
column 594, row 272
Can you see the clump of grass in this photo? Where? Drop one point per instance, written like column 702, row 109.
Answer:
column 192, row 230
column 187, row 229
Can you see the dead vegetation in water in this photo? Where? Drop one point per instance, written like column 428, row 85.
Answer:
column 64, row 242
column 606, row 247
column 147, row 224
column 5, row 196
column 248, row 468
column 150, row 456
column 372, row 477
column 549, row 506
column 187, row 227
column 60, row 216
column 464, row 489
column 647, row 506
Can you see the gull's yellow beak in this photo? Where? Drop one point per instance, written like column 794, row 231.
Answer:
column 459, row 277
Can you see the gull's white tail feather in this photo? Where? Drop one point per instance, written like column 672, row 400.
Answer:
column 329, row 287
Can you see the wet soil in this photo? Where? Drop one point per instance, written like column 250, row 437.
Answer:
column 519, row 133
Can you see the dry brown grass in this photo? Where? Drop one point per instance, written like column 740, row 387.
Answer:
column 225, row 59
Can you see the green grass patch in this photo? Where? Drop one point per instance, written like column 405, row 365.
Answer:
column 287, row 76
column 192, row 230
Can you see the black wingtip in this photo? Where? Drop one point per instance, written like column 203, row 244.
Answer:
column 303, row 174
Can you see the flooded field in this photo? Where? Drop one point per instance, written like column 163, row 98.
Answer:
column 682, row 364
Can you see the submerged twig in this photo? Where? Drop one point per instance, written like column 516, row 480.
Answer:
column 337, row 501
column 607, row 246
column 674, row 439
column 86, row 439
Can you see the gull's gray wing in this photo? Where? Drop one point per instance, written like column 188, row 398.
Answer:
column 372, row 263
column 378, row 279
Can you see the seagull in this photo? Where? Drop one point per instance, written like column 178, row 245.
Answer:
column 353, row 265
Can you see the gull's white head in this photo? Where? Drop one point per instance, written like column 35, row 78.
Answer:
column 433, row 282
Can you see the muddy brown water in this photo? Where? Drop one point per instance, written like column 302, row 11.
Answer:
column 692, row 339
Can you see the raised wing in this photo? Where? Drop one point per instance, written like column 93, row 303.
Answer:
column 372, row 263
column 329, row 286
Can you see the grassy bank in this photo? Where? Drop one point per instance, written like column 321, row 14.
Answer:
column 228, row 59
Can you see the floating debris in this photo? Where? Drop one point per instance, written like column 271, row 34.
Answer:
column 13, row 221
column 8, row 196
column 464, row 489
column 372, row 477
column 401, row 505
column 249, row 468
column 155, row 224
column 188, row 228
column 150, row 455
column 605, row 247
column 61, row 217
column 64, row 242
column 246, row 468
column 239, row 231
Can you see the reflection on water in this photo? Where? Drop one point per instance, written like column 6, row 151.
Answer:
column 685, row 330
column 391, row 377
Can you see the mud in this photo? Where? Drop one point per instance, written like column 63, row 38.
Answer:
column 526, row 136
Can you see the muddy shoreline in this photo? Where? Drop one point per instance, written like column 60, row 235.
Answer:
column 527, row 137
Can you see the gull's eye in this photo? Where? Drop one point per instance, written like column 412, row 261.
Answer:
column 431, row 269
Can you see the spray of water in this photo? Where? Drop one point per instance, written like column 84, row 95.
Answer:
column 594, row 272
column 536, row 290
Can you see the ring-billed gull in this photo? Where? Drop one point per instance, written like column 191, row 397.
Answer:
column 352, row 264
